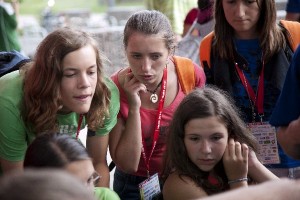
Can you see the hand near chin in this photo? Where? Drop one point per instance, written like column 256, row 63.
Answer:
column 235, row 160
column 132, row 88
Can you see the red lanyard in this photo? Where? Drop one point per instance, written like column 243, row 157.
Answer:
column 258, row 98
column 79, row 125
column 157, row 122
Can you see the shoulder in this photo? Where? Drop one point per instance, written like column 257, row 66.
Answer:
column 183, row 187
column 111, row 86
column 11, row 87
column 119, row 76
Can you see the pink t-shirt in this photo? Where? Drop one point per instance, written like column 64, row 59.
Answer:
column 148, row 118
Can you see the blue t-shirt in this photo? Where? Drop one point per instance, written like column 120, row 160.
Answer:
column 288, row 106
column 251, row 51
column 293, row 6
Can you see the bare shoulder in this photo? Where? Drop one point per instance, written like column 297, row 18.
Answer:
column 122, row 74
column 183, row 187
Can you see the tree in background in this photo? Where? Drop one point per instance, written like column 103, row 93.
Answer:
column 175, row 10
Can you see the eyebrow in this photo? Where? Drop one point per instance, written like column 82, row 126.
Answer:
column 75, row 69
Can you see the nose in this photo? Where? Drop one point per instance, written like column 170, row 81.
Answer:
column 83, row 81
column 205, row 147
column 240, row 9
column 146, row 64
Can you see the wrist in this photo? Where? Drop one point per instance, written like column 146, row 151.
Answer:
column 239, row 180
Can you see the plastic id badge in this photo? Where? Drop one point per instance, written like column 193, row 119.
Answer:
column 150, row 188
column 266, row 137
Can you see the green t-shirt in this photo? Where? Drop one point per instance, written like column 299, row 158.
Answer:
column 15, row 136
column 102, row 193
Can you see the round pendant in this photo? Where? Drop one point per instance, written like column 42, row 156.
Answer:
column 154, row 98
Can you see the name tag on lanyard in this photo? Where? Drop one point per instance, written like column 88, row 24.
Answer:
column 150, row 188
column 267, row 142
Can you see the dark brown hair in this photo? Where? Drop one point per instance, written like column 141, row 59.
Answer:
column 271, row 36
column 202, row 103
column 54, row 150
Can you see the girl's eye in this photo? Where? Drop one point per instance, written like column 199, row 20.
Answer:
column 155, row 57
column 136, row 56
column 216, row 138
column 69, row 75
column 92, row 72
column 194, row 138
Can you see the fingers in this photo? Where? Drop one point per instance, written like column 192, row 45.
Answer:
column 132, row 84
column 245, row 152
column 235, row 159
column 236, row 149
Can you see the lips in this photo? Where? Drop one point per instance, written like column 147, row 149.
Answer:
column 82, row 97
column 147, row 77
column 206, row 161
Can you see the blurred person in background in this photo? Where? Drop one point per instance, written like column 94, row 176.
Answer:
column 175, row 10
column 293, row 10
column 203, row 14
column 43, row 184
column 9, row 39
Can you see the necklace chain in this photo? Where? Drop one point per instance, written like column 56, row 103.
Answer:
column 154, row 91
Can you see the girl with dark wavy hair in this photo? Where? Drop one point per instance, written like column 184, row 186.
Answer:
column 209, row 148
column 63, row 90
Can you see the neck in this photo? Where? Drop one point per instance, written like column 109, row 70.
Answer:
column 155, row 89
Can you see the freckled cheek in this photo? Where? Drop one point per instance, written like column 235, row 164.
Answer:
column 133, row 63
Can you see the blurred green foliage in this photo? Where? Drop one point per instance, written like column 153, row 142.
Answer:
column 35, row 7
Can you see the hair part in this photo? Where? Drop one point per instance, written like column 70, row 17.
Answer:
column 54, row 150
column 150, row 22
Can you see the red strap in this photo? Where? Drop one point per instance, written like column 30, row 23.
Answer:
column 79, row 125
column 157, row 122
column 258, row 99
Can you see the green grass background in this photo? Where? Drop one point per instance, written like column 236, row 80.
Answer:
column 35, row 7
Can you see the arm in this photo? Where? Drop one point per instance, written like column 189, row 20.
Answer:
column 271, row 190
column 186, row 28
column 176, row 188
column 125, row 140
column 257, row 171
column 13, row 142
column 16, row 5
column 289, row 138
column 7, row 166
column 97, row 149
